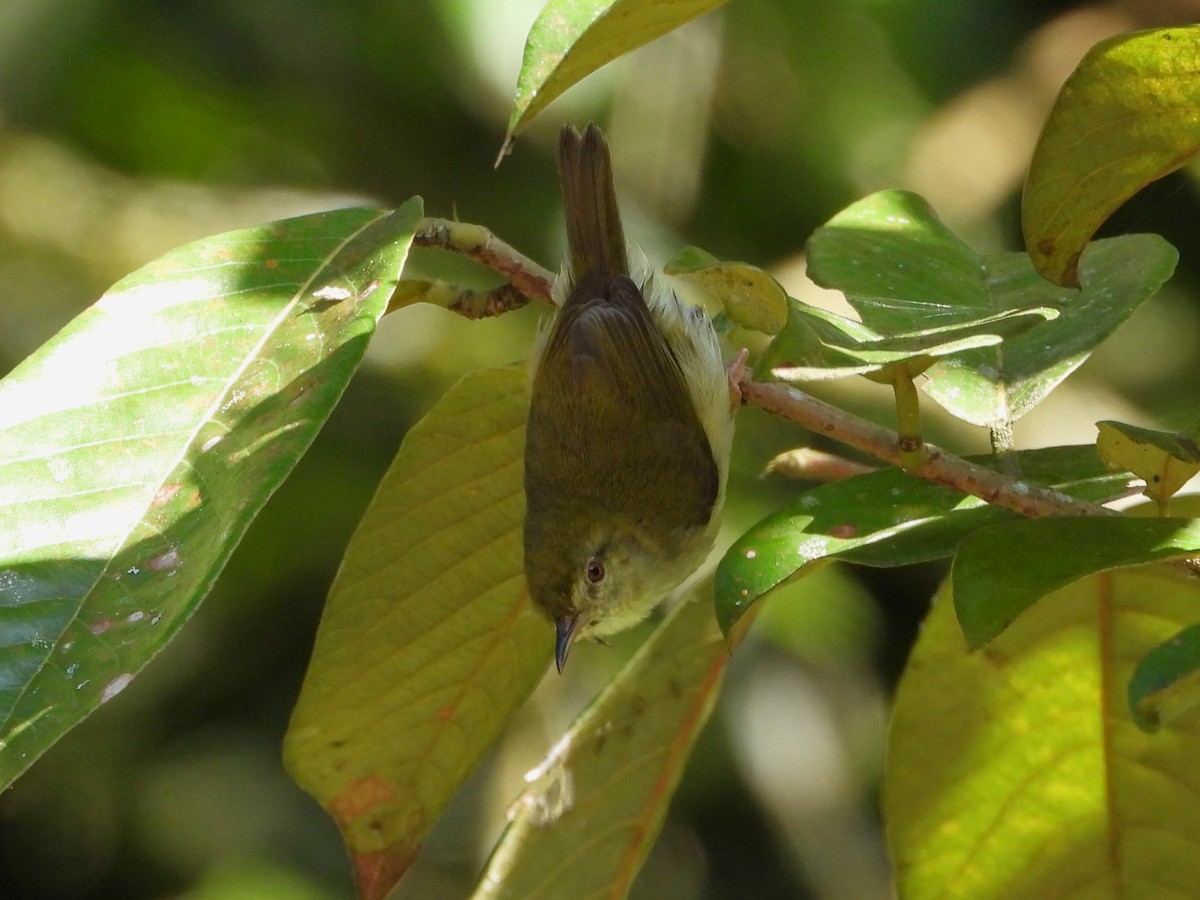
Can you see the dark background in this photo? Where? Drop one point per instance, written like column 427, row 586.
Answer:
column 127, row 128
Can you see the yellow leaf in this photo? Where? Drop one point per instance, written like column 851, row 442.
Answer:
column 1017, row 771
column 428, row 641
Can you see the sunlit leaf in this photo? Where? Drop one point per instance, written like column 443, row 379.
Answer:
column 920, row 292
column 573, row 38
column 1164, row 461
column 1000, row 384
column 138, row 444
column 891, row 244
column 1125, row 117
column 750, row 297
column 817, row 345
column 885, row 518
column 589, row 818
column 428, row 641
column 1017, row 771
column 991, row 589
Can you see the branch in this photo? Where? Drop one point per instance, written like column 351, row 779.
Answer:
column 941, row 467
column 476, row 242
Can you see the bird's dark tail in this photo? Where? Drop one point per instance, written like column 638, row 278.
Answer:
column 594, row 235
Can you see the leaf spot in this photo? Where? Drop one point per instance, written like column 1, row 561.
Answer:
column 164, row 561
column 115, row 686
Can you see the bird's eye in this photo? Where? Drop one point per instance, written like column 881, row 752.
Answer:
column 595, row 570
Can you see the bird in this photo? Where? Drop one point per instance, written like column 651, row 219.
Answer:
column 630, row 423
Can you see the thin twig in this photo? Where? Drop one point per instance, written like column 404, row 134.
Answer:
column 941, row 467
column 485, row 248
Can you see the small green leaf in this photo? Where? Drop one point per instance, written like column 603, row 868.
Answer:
column 1125, row 117
column 991, row 589
column 885, row 518
column 998, row 385
column 1166, row 683
column 139, row 443
column 1164, row 461
column 585, row 825
column 428, row 641
column 751, row 298
column 573, row 38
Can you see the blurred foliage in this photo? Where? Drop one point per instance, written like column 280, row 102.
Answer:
column 127, row 128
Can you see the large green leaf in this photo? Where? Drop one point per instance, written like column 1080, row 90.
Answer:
column 886, row 518
column 428, row 641
column 1126, row 116
column 573, row 38
column 1001, row 571
column 999, row 384
column 138, row 444
column 1017, row 771
column 585, row 825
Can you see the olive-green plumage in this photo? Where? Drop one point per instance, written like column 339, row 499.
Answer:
column 625, row 457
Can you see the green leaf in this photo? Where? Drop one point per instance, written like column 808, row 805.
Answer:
column 428, row 641
column 891, row 244
column 1166, row 683
column 991, row 589
column 751, row 298
column 817, row 345
column 920, row 292
column 139, row 443
column 573, row 38
column 1164, row 461
column 886, row 518
column 1002, row 383
column 588, row 820
column 1125, row 117
column 1018, row 771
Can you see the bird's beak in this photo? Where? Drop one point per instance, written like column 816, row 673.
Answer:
column 564, row 631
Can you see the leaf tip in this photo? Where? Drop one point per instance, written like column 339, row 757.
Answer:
column 377, row 872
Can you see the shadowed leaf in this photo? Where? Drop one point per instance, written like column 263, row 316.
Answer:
column 1166, row 683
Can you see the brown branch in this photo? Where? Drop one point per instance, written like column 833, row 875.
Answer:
column 485, row 248
column 1020, row 496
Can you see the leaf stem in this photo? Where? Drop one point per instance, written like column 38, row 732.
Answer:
column 909, row 442
column 1020, row 496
